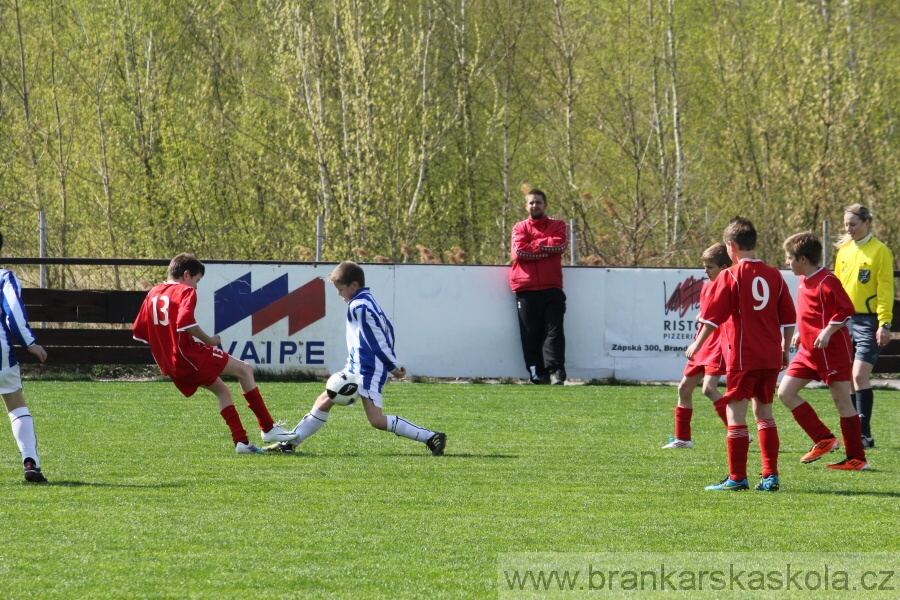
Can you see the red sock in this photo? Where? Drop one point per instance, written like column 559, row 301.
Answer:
column 721, row 406
column 256, row 403
column 738, row 444
column 238, row 434
column 851, row 431
column 683, row 423
column 769, row 445
column 810, row 422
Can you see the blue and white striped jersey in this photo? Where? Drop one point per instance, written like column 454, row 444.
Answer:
column 13, row 320
column 370, row 340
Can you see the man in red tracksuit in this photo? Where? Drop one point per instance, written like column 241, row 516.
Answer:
column 536, row 278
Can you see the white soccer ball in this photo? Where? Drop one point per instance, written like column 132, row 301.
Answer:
column 342, row 388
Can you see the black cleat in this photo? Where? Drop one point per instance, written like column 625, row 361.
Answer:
column 868, row 442
column 33, row 473
column 436, row 443
column 282, row 447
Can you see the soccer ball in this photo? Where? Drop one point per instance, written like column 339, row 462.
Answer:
column 342, row 388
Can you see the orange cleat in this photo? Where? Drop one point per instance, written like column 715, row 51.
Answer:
column 820, row 449
column 849, row 464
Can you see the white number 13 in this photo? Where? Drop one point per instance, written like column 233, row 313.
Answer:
column 161, row 311
column 760, row 292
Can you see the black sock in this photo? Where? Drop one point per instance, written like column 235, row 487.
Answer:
column 864, row 401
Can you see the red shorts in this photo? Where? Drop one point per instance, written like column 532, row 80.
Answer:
column 691, row 370
column 804, row 367
column 758, row 383
column 205, row 367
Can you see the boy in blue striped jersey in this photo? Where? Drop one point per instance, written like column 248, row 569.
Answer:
column 14, row 329
column 370, row 342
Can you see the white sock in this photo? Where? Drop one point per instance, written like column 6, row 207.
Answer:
column 404, row 428
column 23, row 431
column 311, row 423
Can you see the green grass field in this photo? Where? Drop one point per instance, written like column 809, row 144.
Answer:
column 148, row 500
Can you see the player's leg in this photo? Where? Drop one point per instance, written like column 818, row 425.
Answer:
column 554, row 348
column 711, row 391
column 23, row 431
column 851, row 428
column 229, row 413
column 435, row 440
column 531, row 334
column 824, row 441
column 769, row 442
column 738, row 443
column 864, row 398
column 271, row 431
column 684, row 409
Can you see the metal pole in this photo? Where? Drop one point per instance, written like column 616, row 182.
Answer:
column 825, row 245
column 573, row 253
column 320, row 235
column 42, row 224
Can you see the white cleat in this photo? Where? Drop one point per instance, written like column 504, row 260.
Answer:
column 242, row 448
column 674, row 443
column 278, row 434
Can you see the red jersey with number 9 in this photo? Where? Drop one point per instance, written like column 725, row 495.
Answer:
column 757, row 300
column 166, row 312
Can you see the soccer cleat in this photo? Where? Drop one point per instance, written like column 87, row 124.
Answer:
column 820, row 449
column 729, row 485
column 278, row 434
column 868, row 442
column 558, row 377
column 33, row 472
column 282, row 447
column 248, row 448
column 676, row 443
column 768, row 484
column 849, row 464
column 436, row 443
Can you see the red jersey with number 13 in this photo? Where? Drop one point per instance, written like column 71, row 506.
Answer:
column 166, row 312
column 757, row 300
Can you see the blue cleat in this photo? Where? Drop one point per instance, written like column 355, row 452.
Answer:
column 768, row 484
column 729, row 485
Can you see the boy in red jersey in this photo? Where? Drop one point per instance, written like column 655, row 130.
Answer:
column 166, row 322
column 754, row 299
column 826, row 354
column 708, row 364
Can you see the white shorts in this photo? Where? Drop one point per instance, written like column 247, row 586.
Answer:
column 10, row 380
column 373, row 395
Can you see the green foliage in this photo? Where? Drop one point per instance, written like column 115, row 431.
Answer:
column 147, row 498
column 226, row 129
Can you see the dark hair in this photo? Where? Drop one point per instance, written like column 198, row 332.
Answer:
column 717, row 254
column 348, row 272
column 860, row 211
column 805, row 243
column 741, row 232
column 537, row 192
column 185, row 262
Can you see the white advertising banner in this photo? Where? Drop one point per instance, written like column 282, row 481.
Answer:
column 454, row 321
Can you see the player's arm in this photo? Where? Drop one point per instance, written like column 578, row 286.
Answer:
column 705, row 331
column 38, row 351
column 375, row 339
column 787, row 335
column 201, row 335
column 824, row 336
column 885, row 305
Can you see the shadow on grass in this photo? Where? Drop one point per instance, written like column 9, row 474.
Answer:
column 855, row 493
column 74, row 484
column 397, row 454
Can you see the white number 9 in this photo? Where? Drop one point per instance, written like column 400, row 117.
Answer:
column 760, row 292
